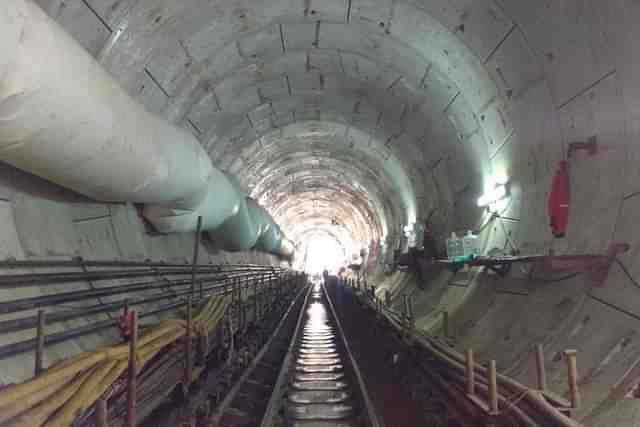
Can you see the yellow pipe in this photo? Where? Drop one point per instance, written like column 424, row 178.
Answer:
column 18, row 392
column 83, row 398
column 36, row 416
column 15, row 408
column 71, row 386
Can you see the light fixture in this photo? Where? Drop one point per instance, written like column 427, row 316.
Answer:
column 493, row 195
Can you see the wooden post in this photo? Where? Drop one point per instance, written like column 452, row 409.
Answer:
column 132, row 380
column 194, row 264
column 40, row 337
column 470, row 372
column 188, row 348
column 572, row 368
column 101, row 413
column 540, row 370
column 493, row 388
column 445, row 324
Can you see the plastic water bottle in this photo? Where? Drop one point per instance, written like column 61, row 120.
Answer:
column 454, row 246
column 459, row 248
column 470, row 245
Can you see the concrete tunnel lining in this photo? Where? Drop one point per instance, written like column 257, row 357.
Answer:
column 452, row 91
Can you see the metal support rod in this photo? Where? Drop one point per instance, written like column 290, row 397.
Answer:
column 411, row 316
column 493, row 388
column 101, row 412
column 408, row 309
column 243, row 308
column 255, row 302
column 260, row 296
column 40, row 337
column 572, row 370
column 132, row 380
column 188, row 348
column 405, row 309
column 445, row 324
column 72, row 296
column 470, row 372
column 196, row 250
column 540, row 369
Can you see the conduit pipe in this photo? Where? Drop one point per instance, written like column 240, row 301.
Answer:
column 65, row 119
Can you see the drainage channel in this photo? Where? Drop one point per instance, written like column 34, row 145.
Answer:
column 320, row 383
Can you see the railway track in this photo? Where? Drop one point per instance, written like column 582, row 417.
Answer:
column 304, row 376
column 247, row 400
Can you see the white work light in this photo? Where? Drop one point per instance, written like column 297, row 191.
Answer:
column 498, row 192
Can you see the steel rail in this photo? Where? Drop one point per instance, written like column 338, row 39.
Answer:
column 372, row 416
column 276, row 395
column 74, row 296
column 212, row 285
column 24, row 323
column 46, row 279
column 232, row 394
column 28, row 344
column 58, row 337
column 12, row 263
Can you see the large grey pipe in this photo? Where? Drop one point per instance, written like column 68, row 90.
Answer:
column 65, row 119
column 251, row 228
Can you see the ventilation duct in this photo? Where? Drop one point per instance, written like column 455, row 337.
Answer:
column 65, row 119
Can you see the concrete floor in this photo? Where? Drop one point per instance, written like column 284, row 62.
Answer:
column 376, row 113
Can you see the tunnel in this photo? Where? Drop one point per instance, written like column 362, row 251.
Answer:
column 349, row 130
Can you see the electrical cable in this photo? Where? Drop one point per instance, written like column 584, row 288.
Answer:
column 530, row 276
column 558, row 279
column 626, row 272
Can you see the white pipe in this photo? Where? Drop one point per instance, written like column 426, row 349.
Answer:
column 65, row 119
column 239, row 232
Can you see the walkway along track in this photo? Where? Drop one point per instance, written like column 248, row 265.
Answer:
column 438, row 366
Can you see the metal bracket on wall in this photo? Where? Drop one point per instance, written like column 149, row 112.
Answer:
column 591, row 147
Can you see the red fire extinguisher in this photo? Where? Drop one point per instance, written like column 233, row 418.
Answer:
column 559, row 200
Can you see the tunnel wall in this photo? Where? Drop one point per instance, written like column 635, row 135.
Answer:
column 533, row 76
column 567, row 71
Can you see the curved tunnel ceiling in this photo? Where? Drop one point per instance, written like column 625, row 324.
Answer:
column 328, row 111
